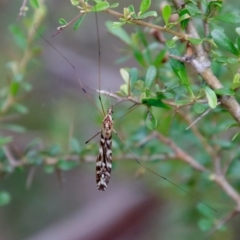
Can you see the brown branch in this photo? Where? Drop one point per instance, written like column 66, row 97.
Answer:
column 142, row 23
column 229, row 190
column 180, row 154
column 217, row 177
column 223, row 221
column 61, row 28
column 198, row 134
column 11, row 159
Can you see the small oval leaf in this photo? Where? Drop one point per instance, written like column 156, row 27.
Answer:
column 150, row 76
column 229, row 18
column 62, row 21
column 4, row 198
column 211, row 96
column 101, row 6
column 166, row 13
column 222, row 40
column 151, row 121
column 145, row 4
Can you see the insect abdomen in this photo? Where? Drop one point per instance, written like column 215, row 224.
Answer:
column 104, row 162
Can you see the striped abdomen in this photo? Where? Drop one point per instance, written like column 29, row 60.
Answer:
column 104, row 159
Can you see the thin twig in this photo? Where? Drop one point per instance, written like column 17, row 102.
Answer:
column 22, row 9
column 61, row 28
column 180, row 154
column 142, row 23
column 201, row 116
column 186, row 59
column 223, row 221
column 13, row 162
column 30, row 176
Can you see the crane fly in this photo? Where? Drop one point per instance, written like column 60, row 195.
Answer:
column 104, row 157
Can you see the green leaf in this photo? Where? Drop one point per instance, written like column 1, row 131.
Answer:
column 195, row 41
column 5, row 140
column 229, row 18
column 145, row 4
column 20, row 108
column 132, row 11
column 236, row 82
column 155, row 102
column 224, row 42
column 211, row 96
column 235, row 86
column 62, row 21
column 124, row 90
column 139, row 57
column 179, row 68
column 54, row 150
column 5, row 198
column 235, row 136
column 67, row 165
column 114, row 5
column 213, row 6
column 147, row 14
column 221, row 59
column 166, row 13
column 193, row 9
column 14, row 87
column 14, row 128
column 125, row 75
column 118, row 32
column 237, row 30
column 34, row 3
column 233, row 60
column 238, row 43
column 232, row 125
column 205, row 224
column 75, row 146
column 75, row 2
column 151, row 121
column 236, row 78
column 198, row 108
column 133, row 75
column 150, row 76
column 171, row 43
column 78, row 23
column 117, row 24
column 49, row 168
column 159, row 58
column 139, row 85
column 207, row 212
column 184, row 17
column 101, row 6
column 19, row 36
column 224, row 91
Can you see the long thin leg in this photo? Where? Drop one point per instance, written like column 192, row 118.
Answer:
column 99, row 63
column 150, row 170
column 93, row 137
column 74, row 68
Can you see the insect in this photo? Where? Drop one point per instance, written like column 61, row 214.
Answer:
column 104, row 158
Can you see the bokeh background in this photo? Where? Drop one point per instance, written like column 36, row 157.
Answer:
column 133, row 207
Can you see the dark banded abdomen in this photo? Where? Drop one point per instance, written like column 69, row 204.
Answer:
column 104, row 162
